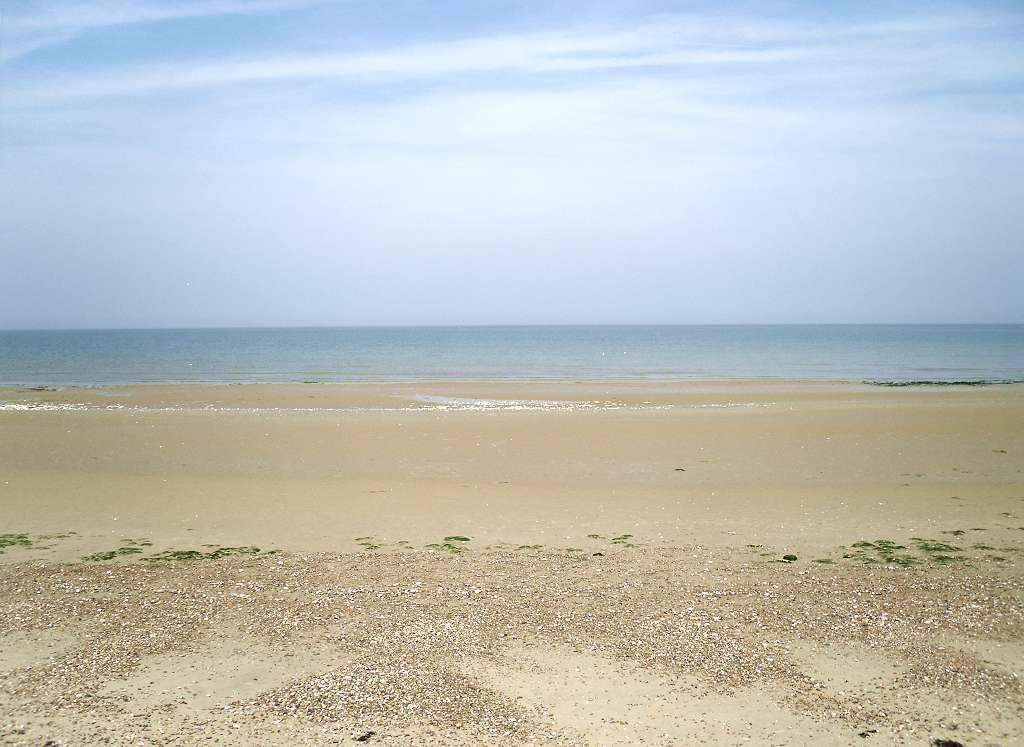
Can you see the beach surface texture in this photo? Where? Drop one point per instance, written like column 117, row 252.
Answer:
column 466, row 563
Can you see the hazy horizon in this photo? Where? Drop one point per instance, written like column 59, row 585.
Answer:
column 950, row 353
column 512, row 325
column 315, row 163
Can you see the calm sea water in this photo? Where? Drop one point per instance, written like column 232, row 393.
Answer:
column 882, row 352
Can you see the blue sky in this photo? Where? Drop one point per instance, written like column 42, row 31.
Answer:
column 220, row 162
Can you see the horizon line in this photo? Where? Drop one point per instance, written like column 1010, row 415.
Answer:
column 501, row 325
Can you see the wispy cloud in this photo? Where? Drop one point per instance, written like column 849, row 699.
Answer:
column 922, row 49
column 35, row 26
column 676, row 163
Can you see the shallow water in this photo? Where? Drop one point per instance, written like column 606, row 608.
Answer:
column 876, row 352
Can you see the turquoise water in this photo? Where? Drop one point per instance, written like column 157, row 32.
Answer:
column 876, row 352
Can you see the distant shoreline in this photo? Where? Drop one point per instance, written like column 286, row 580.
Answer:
column 46, row 386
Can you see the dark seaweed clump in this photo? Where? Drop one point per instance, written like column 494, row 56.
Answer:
column 451, row 543
column 111, row 554
column 933, row 382
column 14, row 540
column 217, row 554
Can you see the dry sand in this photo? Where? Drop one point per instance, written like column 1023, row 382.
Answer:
column 619, row 581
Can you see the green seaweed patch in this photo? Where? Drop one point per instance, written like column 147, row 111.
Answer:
column 453, row 543
column 942, row 553
column 932, row 546
column 825, row 561
column 112, row 554
column 372, row 543
column 51, row 539
column 939, row 382
column 455, row 547
column 445, row 547
column 623, row 540
column 220, row 552
column 14, row 540
column 369, row 543
column 881, row 551
column 511, row 547
column 179, row 555
column 23, row 540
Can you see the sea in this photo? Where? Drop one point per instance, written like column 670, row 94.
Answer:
column 877, row 353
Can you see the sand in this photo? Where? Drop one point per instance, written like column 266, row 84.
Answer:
column 621, row 577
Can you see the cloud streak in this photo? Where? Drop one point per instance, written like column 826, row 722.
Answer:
column 40, row 26
column 671, row 164
column 725, row 84
column 926, row 50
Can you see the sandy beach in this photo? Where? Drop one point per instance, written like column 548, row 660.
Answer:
column 764, row 562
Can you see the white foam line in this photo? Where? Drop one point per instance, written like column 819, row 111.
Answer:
column 479, row 406
column 55, row 407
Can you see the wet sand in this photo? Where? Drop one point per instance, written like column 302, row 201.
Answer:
column 617, row 573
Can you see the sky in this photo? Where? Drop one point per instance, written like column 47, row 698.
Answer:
column 168, row 163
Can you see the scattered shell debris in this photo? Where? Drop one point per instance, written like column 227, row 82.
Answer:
column 412, row 625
